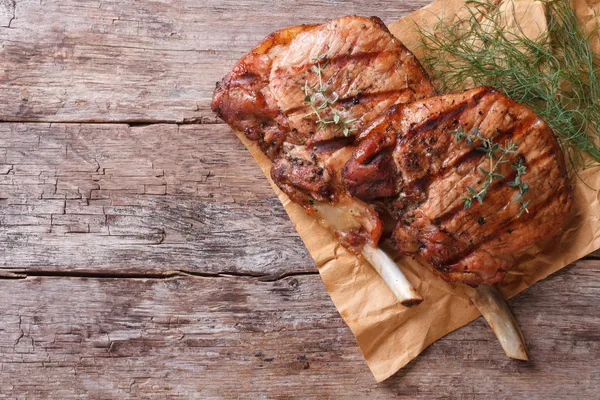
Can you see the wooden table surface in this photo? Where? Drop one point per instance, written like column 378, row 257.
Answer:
column 143, row 254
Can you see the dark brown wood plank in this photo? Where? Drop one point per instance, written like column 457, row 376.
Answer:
column 191, row 337
column 140, row 60
column 156, row 199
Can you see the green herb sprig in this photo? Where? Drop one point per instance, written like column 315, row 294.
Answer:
column 521, row 169
column 496, row 155
column 556, row 74
column 326, row 103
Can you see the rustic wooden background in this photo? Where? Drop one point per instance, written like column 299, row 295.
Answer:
column 143, row 254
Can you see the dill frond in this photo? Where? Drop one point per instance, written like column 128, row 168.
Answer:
column 556, row 73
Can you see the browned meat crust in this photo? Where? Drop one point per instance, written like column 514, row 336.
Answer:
column 371, row 172
column 298, row 172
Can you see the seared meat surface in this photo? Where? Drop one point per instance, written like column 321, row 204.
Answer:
column 345, row 112
column 428, row 172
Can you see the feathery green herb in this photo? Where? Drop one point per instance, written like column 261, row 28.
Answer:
column 556, row 74
column 496, row 155
column 319, row 103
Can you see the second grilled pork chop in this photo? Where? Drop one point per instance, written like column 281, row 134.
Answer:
column 411, row 164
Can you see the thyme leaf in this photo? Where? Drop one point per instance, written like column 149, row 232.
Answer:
column 322, row 104
column 496, row 155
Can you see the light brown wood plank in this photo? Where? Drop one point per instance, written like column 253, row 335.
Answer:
column 156, row 199
column 140, row 60
column 192, row 337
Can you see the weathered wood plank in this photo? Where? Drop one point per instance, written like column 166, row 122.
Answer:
column 140, row 60
column 238, row 337
column 153, row 199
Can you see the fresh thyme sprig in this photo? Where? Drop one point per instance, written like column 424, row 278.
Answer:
column 521, row 169
column 557, row 74
column 317, row 92
column 496, row 155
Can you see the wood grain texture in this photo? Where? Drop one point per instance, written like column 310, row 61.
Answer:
column 128, row 200
column 242, row 338
column 140, row 60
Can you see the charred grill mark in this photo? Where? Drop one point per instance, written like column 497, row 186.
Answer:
column 447, row 216
column 494, row 188
column 504, row 225
column 516, row 131
column 467, row 157
column 339, row 61
column 473, row 156
column 342, row 59
column 363, row 98
column 448, row 249
column 447, row 114
column 433, row 122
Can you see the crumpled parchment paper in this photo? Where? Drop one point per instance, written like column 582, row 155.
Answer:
column 390, row 335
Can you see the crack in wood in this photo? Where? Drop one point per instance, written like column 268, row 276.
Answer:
column 24, row 274
column 10, row 6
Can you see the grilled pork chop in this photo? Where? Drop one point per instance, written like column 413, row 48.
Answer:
column 304, row 93
column 411, row 163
